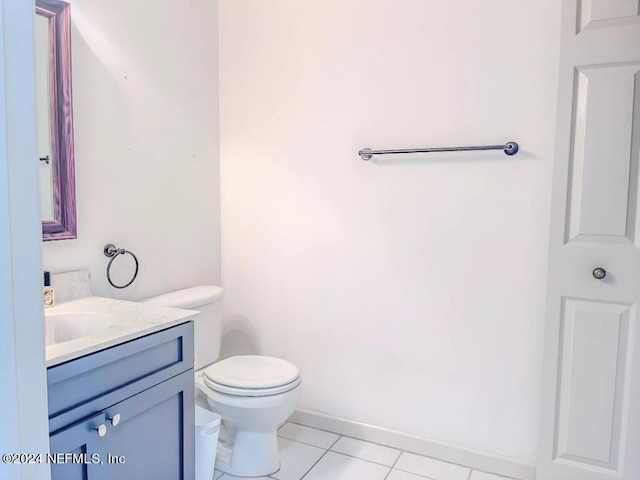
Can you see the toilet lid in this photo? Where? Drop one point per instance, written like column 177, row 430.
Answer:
column 251, row 372
column 251, row 392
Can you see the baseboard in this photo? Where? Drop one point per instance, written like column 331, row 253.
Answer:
column 485, row 462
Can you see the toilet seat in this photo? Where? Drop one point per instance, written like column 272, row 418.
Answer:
column 251, row 376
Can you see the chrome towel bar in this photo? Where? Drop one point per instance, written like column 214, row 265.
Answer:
column 510, row 148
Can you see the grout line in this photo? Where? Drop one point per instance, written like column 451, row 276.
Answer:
column 444, row 461
column 309, row 444
column 471, row 469
column 345, row 436
column 396, row 460
column 410, row 473
column 311, row 428
column 315, row 463
column 428, row 478
column 307, row 426
column 494, row 474
column 393, row 466
column 360, row 458
column 334, row 443
column 350, row 456
column 373, row 443
column 305, row 443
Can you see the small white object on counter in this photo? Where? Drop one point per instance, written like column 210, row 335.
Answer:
column 132, row 320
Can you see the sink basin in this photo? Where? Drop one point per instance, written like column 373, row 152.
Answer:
column 64, row 327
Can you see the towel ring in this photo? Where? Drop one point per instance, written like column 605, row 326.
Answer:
column 110, row 250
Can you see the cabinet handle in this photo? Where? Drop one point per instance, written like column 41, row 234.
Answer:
column 115, row 420
column 599, row 273
column 102, row 429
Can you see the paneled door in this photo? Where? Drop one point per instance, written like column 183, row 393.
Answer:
column 591, row 397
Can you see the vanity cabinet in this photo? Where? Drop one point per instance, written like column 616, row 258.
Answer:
column 126, row 412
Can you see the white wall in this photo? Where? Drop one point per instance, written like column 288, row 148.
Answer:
column 145, row 91
column 409, row 291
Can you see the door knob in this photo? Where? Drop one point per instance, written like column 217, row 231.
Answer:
column 599, row 273
column 115, row 420
column 102, row 429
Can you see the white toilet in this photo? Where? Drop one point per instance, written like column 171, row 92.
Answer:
column 253, row 394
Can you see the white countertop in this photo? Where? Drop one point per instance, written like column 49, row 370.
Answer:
column 132, row 320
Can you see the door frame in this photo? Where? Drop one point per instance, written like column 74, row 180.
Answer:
column 23, row 392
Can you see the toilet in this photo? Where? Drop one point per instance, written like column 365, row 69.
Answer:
column 254, row 394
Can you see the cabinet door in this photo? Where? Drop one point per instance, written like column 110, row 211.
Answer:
column 153, row 437
column 77, row 451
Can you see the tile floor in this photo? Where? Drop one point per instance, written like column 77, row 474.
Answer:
column 310, row 454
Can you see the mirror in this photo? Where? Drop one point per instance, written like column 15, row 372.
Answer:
column 55, row 120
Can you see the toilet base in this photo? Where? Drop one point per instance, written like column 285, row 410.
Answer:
column 252, row 454
column 248, row 436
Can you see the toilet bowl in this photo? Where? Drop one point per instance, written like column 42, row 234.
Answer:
column 253, row 394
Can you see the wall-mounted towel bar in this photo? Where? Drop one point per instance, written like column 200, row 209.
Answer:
column 510, row 148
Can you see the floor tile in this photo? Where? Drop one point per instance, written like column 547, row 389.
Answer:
column 366, row 451
column 476, row 475
column 296, row 459
column 428, row 467
column 312, row 436
column 226, row 476
column 335, row 466
column 400, row 475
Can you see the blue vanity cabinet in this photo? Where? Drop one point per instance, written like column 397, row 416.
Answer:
column 142, row 394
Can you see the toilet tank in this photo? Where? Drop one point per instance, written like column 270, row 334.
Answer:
column 207, row 326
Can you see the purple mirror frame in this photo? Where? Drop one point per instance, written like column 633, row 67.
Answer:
column 64, row 225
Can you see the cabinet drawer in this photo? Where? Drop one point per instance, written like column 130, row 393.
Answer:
column 86, row 385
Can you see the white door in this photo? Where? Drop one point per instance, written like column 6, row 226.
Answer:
column 591, row 398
